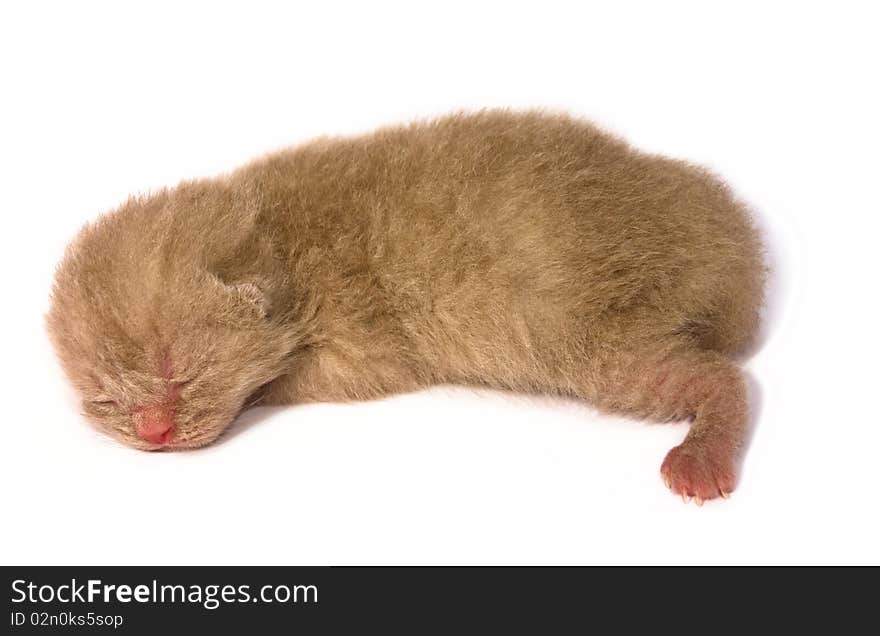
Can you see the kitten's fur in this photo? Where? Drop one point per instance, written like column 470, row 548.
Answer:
column 520, row 251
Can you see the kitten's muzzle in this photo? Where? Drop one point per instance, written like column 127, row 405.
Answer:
column 154, row 424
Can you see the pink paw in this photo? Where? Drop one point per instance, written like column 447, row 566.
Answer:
column 698, row 471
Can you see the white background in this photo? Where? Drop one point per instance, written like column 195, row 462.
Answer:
column 100, row 101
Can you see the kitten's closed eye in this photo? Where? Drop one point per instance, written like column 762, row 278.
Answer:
column 102, row 407
column 103, row 400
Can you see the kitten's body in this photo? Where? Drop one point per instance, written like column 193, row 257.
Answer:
column 517, row 251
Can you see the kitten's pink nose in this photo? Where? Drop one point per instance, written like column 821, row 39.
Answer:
column 154, row 424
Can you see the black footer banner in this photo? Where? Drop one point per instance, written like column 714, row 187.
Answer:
column 264, row 600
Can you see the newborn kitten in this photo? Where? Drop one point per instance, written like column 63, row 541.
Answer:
column 524, row 251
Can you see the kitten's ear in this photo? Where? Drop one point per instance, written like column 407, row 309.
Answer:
column 252, row 294
column 248, row 293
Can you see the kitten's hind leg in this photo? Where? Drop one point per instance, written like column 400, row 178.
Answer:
column 679, row 383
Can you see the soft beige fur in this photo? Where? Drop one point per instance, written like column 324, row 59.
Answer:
column 518, row 251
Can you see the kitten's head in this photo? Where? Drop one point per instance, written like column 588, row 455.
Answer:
column 160, row 321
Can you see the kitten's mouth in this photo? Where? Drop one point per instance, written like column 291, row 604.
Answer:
column 182, row 446
column 169, row 442
column 171, row 447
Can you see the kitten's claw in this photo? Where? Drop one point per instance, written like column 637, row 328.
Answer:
column 699, row 471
